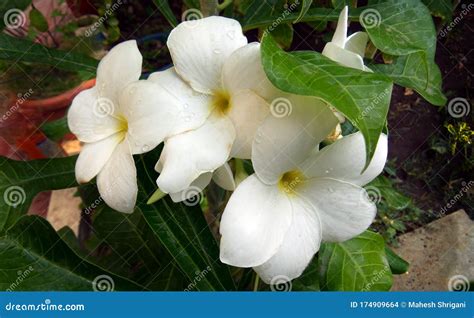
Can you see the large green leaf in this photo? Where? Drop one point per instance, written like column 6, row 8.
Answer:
column 309, row 280
column 305, row 5
column 17, row 50
column 165, row 9
column 184, row 232
column 34, row 257
column 363, row 97
column 397, row 264
column 400, row 27
column 440, row 8
column 20, row 181
column 414, row 71
column 359, row 264
column 11, row 12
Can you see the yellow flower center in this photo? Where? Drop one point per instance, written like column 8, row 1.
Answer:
column 221, row 102
column 290, row 180
column 122, row 128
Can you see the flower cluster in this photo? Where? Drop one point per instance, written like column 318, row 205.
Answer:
column 215, row 104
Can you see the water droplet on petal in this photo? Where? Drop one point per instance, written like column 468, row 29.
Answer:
column 146, row 148
column 217, row 51
column 331, row 190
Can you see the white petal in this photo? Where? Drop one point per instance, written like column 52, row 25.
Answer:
column 254, row 223
column 343, row 56
column 345, row 160
column 85, row 119
column 188, row 155
column 224, row 177
column 93, row 157
column 117, row 181
column 357, row 43
column 243, row 70
column 344, row 209
column 283, row 142
column 199, row 49
column 247, row 113
column 300, row 244
column 154, row 114
column 121, row 66
column 340, row 35
column 192, row 108
column 196, row 187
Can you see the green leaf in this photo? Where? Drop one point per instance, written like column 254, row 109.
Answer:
column 21, row 181
column 283, row 34
column 38, row 21
column 306, row 4
column 165, row 10
column 385, row 188
column 400, row 27
column 362, row 97
column 184, row 232
column 56, row 129
column 17, row 50
column 359, row 264
column 415, row 72
column 11, row 12
column 34, row 257
column 309, row 280
column 397, row 264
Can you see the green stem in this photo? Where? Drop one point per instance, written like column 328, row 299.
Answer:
column 224, row 5
column 209, row 7
column 256, row 282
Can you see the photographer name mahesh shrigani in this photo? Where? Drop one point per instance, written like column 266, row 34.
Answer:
column 439, row 304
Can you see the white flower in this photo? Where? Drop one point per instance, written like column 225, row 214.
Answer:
column 277, row 228
column 348, row 51
column 120, row 117
column 216, row 75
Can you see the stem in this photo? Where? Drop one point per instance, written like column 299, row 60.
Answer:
column 224, row 5
column 256, row 282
